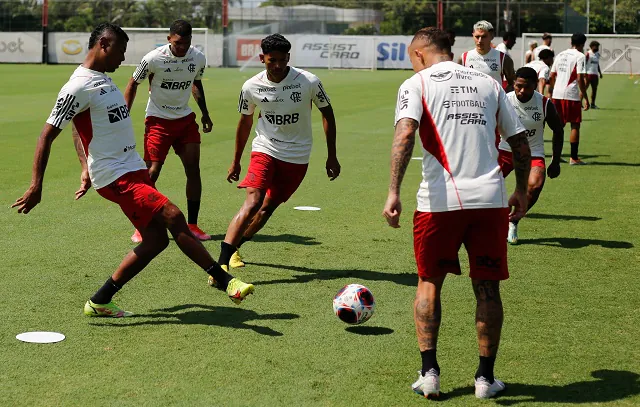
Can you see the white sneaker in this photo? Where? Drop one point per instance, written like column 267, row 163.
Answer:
column 427, row 385
column 486, row 390
column 512, row 237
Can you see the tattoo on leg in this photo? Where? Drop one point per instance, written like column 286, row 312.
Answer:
column 489, row 316
column 428, row 315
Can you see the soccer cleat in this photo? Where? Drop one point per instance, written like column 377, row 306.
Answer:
column 212, row 281
column 577, row 162
column 427, row 385
column 110, row 310
column 512, row 237
column 236, row 261
column 486, row 390
column 594, row 106
column 237, row 290
column 136, row 237
column 198, row 233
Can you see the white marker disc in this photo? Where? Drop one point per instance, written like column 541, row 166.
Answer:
column 416, row 158
column 306, row 208
column 40, row 337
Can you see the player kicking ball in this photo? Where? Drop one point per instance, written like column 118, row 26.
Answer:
column 534, row 110
column 282, row 146
column 175, row 72
column 105, row 143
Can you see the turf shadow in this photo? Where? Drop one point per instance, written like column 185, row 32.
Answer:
column 207, row 315
column 582, row 156
column 561, row 217
column 611, row 385
column 284, row 237
column 369, row 330
column 614, row 164
column 576, row 243
column 408, row 279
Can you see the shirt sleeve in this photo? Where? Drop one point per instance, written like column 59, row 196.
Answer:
column 508, row 122
column 203, row 65
column 72, row 99
column 581, row 66
column 245, row 102
column 544, row 73
column 409, row 103
column 319, row 96
column 144, row 68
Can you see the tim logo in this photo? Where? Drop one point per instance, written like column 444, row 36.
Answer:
column 117, row 114
column 464, row 89
column 441, row 76
column 488, row 262
column 170, row 85
column 282, row 119
column 404, row 100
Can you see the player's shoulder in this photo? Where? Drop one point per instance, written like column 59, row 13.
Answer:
column 84, row 79
column 259, row 79
column 414, row 81
column 300, row 75
column 196, row 53
column 158, row 52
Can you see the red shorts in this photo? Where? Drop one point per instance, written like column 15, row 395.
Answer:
column 505, row 159
column 279, row 178
column 570, row 111
column 137, row 197
column 161, row 134
column 437, row 237
column 593, row 77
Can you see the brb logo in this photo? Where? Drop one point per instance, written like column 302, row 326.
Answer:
column 175, row 85
column 395, row 51
column 117, row 113
column 282, row 119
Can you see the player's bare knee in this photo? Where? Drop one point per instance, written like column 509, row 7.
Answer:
column 172, row 215
column 487, row 291
column 254, row 201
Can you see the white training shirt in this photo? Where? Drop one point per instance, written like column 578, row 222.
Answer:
column 502, row 47
column 532, row 115
column 170, row 80
column 284, row 123
column 593, row 62
column 489, row 63
column 101, row 117
column 541, row 69
column 536, row 50
column 458, row 110
column 568, row 64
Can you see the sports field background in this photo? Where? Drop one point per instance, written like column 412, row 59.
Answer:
column 572, row 305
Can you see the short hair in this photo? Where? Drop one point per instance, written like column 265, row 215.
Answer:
column 275, row 42
column 181, row 28
column 509, row 35
column 102, row 28
column 546, row 53
column 578, row 39
column 483, row 25
column 528, row 74
column 433, row 36
column 546, row 36
column 533, row 44
column 451, row 32
column 594, row 44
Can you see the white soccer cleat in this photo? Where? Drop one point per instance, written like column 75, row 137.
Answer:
column 427, row 385
column 512, row 237
column 486, row 390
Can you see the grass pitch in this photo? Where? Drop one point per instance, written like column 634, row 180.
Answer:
column 572, row 305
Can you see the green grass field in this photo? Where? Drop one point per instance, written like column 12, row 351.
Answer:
column 572, row 305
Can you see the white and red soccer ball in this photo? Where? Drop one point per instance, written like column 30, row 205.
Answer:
column 354, row 304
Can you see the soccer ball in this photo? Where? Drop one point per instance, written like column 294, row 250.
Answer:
column 354, row 304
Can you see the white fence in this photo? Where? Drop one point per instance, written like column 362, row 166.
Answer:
column 308, row 51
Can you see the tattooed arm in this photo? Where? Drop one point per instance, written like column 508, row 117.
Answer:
column 403, row 142
column 521, row 166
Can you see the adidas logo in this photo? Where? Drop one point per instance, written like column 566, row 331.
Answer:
column 103, row 92
column 168, row 70
column 265, row 100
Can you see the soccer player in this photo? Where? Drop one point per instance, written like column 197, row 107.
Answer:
column 106, row 147
column 282, row 146
column 594, row 74
column 528, row 56
column 175, row 71
column 542, row 67
column 568, row 80
column 508, row 41
column 546, row 44
column 461, row 199
column 488, row 60
column 534, row 110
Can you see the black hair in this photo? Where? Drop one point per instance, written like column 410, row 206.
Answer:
column 181, row 28
column 528, row 74
column 102, row 28
column 451, row 32
column 546, row 53
column 546, row 36
column 509, row 35
column 433, row 36
column 578, row 39
column 275, row 42
column 594, row 44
